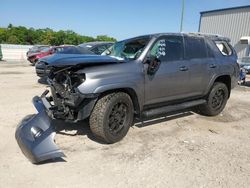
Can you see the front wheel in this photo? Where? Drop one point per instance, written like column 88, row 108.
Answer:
column 112, row 117
column 216, row 100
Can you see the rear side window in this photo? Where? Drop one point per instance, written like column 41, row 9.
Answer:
column 99, row 49
column 210, row 53
column 224, row 48
column 195, row 48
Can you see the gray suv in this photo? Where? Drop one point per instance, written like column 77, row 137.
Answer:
column 142, row 77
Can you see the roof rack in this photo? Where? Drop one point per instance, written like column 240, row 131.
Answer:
column 204, row 34
column 210, row 35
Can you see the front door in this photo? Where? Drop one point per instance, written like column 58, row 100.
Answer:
column 170, row 80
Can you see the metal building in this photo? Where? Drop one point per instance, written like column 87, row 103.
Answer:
column 233, row 23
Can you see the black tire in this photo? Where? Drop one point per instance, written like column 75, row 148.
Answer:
column 216, row 100
column 112, row 117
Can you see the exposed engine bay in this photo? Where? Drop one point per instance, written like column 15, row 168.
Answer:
column 66, row 101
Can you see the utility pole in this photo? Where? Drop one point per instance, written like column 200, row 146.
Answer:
column 182, row 14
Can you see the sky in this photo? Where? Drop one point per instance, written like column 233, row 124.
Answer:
column 116, row 18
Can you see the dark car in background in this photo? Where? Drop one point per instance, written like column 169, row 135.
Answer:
column 97, row 47
column 34, row 57
column 245, row 63
column 41, row 65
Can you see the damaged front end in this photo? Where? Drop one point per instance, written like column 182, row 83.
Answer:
column 35, row 136
column 67, row 102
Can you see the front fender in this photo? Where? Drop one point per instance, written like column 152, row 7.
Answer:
column 108, row 87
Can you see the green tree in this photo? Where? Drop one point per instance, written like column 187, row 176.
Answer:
column 2, row 35
column 23, row 35
column 13, row 40
column 1, row 55
column 105, row 38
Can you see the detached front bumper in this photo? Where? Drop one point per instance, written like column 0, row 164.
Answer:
column 35, row 136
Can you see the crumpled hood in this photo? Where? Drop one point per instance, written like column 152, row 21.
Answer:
column 61, row 60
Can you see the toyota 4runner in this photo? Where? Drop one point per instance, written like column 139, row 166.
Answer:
column 141, row 77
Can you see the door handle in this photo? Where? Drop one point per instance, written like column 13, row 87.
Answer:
column 212, row 65
column 183, row 68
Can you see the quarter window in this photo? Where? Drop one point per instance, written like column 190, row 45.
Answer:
column 168, row 49
column 223, row 48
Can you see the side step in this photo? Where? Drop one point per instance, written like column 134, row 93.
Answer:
column 171, row 108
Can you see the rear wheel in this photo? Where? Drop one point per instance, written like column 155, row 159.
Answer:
column 112, row 117
column 216, row 100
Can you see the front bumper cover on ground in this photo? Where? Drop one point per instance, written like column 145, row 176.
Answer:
column 35, row 136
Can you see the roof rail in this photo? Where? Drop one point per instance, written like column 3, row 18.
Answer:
column 204, row 34
column 209, row 35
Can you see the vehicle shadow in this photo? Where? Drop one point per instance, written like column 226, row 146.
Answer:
column 83, row 128
column 55, row 160
column 247, row 84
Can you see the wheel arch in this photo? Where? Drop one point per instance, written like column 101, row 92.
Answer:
column 226, row 79
column 130, row 91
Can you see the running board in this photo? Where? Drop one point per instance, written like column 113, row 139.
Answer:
column 172, row 108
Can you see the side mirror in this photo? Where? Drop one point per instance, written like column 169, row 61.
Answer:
column 153, row 64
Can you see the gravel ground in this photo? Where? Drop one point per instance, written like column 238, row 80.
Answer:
column 182, row 150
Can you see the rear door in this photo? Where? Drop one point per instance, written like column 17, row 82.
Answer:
column 201, row 65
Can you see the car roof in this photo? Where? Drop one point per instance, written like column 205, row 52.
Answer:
column 98, row 42
column 193, row 34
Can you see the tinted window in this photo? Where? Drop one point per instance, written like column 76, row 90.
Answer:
column 168, row 48
column 73, row 50
column 99, row 49
column 210, row 52
column 84, row 50
column 195, row 47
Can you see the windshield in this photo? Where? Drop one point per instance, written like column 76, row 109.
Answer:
column 86, row 45
column 37, row 48
column 128, row 49
column 45, row 49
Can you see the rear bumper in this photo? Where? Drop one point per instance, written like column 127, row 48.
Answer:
column 35, row 136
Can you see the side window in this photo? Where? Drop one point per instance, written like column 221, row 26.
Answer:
column 210, row 53
column 224, row 48
column 168, row 49
column 195, row 47
column 99, row 49
column 58, row 50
